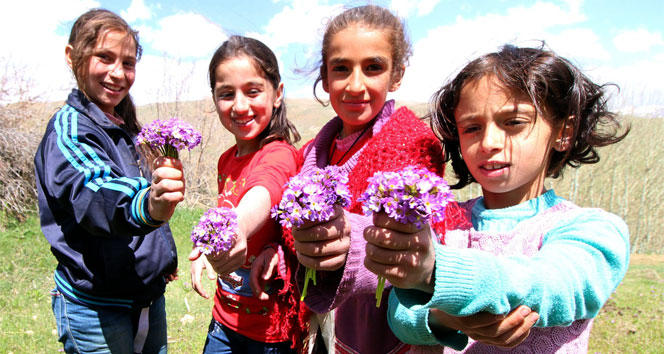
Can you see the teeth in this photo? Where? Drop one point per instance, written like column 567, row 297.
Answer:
column 493, row 166
column 111, row 87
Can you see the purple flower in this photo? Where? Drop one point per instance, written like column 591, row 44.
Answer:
column 311, row 196
column 169, row 136
column 215, row 231
column 412, row 195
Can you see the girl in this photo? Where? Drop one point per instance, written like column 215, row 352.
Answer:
column 103, row 219
column 509, row 120
column 363, row 57
column 249, row 98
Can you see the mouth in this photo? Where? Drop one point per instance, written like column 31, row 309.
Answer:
column 243, row 121
column 494, row 168
column 112, row 87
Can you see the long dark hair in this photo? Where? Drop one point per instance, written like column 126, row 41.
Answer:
column 279, row 128
column 560, row 92
column 83, row 38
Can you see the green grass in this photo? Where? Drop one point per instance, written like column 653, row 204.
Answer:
column 629, row 323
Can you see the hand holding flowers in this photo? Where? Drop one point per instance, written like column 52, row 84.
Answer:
column 311, row 205
column 168, row 185
column 399, row 246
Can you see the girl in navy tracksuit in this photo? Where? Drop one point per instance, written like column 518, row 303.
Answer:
column 101, row 208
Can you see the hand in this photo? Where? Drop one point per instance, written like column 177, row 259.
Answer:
column 323, row 245
column 401, row 253
column 199, row 263
column 263, row 269
column 167, row 188
column 171, row 277
column 499, row 330
column 229, row 261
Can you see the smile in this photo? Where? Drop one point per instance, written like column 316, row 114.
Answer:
column 111, row 87
column 243, row 121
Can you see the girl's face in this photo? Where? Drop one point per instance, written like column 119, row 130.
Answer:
column 111, row 70
column 505, row 145
column 359, row 75
column 244, row 99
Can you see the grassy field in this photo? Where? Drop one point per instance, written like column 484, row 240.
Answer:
column 624, row 182
column 629, row 323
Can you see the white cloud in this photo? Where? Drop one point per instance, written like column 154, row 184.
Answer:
column 445, row 49
column 30, row 43
column 137, row 11
column 186, row 35
column 302, row 22
column 165, row 79
column 405, row 8
column 638, row 40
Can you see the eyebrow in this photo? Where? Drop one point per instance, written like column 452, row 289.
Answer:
column 341, row 60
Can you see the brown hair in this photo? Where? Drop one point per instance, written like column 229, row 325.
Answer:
column 560, row 92
column 374, row 17
column 83, row 38
column 279, row 128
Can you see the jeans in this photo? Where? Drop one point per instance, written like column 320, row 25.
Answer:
column 221, row 339
column 82, row 329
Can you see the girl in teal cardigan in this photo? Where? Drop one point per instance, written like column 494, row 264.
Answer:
column 509, row 120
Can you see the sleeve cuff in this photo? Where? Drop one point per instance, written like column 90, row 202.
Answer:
column 140, row 212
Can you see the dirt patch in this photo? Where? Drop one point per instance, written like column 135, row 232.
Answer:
column 646, row 259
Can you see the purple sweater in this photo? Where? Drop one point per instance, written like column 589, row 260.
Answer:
column 360, row 327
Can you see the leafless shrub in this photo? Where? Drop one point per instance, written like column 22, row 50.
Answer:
column 18, row 195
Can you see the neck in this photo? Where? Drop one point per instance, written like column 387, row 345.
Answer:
column 246, row 147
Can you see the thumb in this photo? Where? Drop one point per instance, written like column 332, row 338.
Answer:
column 195, row 253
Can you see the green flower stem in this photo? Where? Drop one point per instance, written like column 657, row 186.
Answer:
column 379, row 290
column 309, row 274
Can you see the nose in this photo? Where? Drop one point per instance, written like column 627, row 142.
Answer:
column 240, row 104
column 117, row 71
column 492, row 139
column 356, row 82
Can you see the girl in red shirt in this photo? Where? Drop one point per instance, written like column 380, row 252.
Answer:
column 249, row 99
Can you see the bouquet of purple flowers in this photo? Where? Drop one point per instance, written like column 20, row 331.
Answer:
column 169, row 136
column 311, row 196
column 215, row 231
column 411, row 195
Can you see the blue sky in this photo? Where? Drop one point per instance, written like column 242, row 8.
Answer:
column 611, row 40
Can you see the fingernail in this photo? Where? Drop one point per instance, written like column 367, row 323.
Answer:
column 534, row 317
column 525, row 311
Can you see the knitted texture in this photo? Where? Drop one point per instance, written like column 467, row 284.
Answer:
column 392, row 149
column 525, row 240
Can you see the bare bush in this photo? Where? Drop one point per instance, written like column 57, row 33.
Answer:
column 18, row 195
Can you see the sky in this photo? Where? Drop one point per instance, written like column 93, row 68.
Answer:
column 610, row 40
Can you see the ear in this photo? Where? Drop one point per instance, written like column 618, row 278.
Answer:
column 564, row 139
column 326, row 87
column 279, row 95
column 396, row 80
column 68, row 50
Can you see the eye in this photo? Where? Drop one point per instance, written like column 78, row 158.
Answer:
column 375, row 68
column 103, row 57
column 129, row 64
column 339, row 68
column 468, row 129
column 253, row 92
column 226, row 95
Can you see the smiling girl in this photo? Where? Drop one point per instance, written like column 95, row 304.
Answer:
column 259, row 317
column 104, row 220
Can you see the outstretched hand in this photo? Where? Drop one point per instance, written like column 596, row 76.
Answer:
column 198, row 264
column 323, row 245
column 401, row 253
column 500, row 330
column 167, row 190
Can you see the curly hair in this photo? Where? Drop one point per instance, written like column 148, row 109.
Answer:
column 560, row 92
